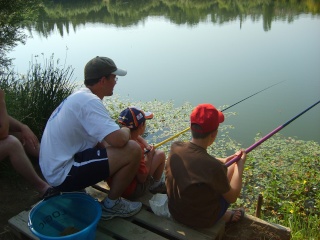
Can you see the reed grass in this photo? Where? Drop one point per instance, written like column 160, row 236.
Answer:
column 32, row 98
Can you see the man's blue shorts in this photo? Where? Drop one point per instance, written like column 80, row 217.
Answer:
column 90, row 167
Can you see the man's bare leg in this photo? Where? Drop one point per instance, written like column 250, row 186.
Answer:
column 123, row 165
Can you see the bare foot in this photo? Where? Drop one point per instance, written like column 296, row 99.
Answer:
column 233, row 215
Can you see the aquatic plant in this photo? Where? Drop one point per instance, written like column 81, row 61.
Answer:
column 284, row 170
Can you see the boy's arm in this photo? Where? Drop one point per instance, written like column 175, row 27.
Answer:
column 4, row 120
column 143, row 142
column 148, row 155
column 236, row 180
column 142, row 176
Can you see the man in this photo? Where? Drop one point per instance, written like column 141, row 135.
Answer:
column 200, row 187
column 82, row 145
column 11, row 147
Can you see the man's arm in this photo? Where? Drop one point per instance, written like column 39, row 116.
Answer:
column 118, row 138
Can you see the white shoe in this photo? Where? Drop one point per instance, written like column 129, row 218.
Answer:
column 122, row 208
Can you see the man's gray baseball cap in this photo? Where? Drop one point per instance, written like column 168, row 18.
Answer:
column 101, row 66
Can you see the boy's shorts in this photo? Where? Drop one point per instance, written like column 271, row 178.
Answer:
column 90, row 167
column 224, row 207
column 141, row 188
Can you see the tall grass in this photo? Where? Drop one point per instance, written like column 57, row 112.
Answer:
column 31, row 98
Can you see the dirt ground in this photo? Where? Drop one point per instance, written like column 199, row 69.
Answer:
column 16, row 195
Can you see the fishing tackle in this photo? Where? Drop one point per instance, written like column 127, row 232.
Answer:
column 253, row 146
column 183, row 131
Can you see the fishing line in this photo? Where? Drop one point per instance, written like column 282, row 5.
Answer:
column 185, row 130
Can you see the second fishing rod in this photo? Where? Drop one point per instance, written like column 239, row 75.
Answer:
column 188, row 128
column 256, row 144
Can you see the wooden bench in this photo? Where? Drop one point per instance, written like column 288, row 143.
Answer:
column 144, row 225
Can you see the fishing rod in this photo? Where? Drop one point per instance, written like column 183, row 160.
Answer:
column 253, row 146
column 188, row 128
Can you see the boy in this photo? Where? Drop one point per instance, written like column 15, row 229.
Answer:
column 200, row 187
column 152, row 163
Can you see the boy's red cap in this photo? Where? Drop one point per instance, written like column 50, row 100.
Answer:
column 207, row 117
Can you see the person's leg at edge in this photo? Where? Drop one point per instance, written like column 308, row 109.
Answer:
column 231, row 215
column 157, row 165
column 228, row 215
column 28, row 147
column 11, row 147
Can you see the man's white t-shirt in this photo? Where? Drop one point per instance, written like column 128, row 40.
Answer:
column 79, row 123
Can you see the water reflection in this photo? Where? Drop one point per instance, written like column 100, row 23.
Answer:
column 66, row 14
column 195, row 51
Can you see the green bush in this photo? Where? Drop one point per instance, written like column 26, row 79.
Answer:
column 31, row 98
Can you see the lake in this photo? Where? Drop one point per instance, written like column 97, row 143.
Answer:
column 201, row 53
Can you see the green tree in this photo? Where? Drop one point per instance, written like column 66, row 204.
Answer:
column 13, row 15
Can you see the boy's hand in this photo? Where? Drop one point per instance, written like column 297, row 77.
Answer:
column 241, row 154
column 150, row 151
column 243, row 157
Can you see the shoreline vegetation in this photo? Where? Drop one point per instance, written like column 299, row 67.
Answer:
column 284, row 170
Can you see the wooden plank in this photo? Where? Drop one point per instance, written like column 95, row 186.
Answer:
column 100, row 235
column 19, row 226
column 146, row 225
column 217, row 230
column 124, row 229
column 251, row 227
column 145, row 199
column 169, row 227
